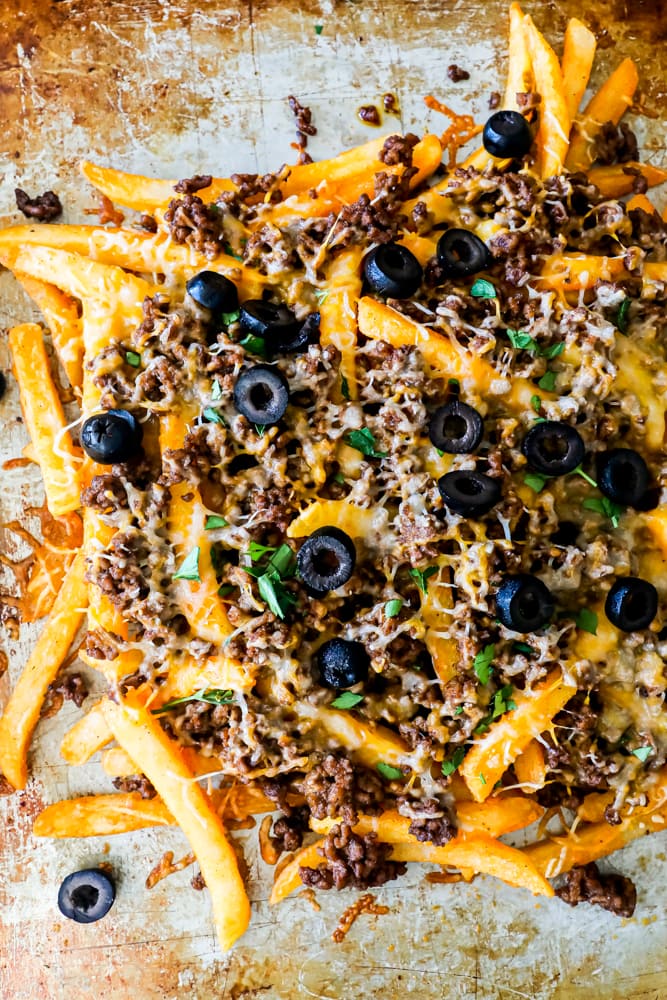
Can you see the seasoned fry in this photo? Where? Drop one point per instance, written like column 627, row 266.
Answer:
column 529, row 766
column 618, row 180
column 45, row 419
column 338, row 313
column 141, row 735
column 88, row 735
column 609, row 104
column 62, row 318
column 101, row 816
column 578, row 55
column 22, row 712
column 554, row 129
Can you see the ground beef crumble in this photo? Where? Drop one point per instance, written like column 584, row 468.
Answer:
column 352, row 860
column 587, row 884
column 44, row 207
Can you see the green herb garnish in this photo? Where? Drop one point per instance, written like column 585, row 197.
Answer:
column 481, row 778
column 393, row 607
column 642, row 753
column 232, row 317
column 523, row 647
column 260, row 428
column 225, row 589
column 133, row 358
column 622, row 318
column 553, row 351
column 318, row 29
column 344, row 388
column 483, row 289
column 536, row 403
column 548, row 381
column 256, row 345
column 278, row 599
column 502, row 702
column 339, row 478
column 216, row 418
column 212, row 696
column 216, row 391
column 587, row 621
column 364, row 441
column 321, row 295
column 535, row 480
column 389, row 772
column 455, row 761
column 189, row 568
column 270, row 577
column 458, row 710
column 606, row 507
column 348, row 699
column 422, row 576
column 482, row 663
column 522, row 341
column 584, row 475
column 215, row 521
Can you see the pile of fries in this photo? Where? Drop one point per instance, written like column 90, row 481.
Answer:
column 90, row 283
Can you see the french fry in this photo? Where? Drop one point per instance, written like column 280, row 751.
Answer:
column 45, row 419
column 615, row 181
column 116, row 763
column 578, row 55
column 435, row 605
column 101, row 816
column 529, row 766
column 338, row 312
column 141, row 735
column 355, row 521
column 144, row 194
column 368, row 742
column 554, row 128
column 573, row 272
column 609, row 104
column 492, row 753
column 22, row 711
column 445, row 357
column 62, row 318
column 641, row 201
column 88, row 735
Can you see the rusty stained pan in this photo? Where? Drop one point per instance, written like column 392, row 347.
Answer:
column 171, row 88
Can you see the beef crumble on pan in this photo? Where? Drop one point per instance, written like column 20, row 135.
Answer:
column 426, row 571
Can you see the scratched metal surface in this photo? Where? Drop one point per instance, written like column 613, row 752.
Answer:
column 173, row 87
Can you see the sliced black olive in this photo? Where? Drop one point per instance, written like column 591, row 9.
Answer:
column 456, row 428
column 507, row 133
column 112, row 436
column 326, row 560
column 553, row 448
column 272, row 321
column 469, row 493
column 524, row 603
column 393, row 271
column 631, row 604
column 461, row 253
column 86, row 896
column 261, row 394
column 342, row 663
column 622, row 476
column 307, row 333
column 213, row 291
column 3, row 384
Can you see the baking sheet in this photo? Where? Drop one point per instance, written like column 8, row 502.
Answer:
column 173, row 88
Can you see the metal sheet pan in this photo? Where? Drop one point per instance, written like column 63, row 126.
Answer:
column 171, row 87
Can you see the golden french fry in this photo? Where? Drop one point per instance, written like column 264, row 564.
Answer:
column 88, row 735
column 554, row 128
column 22, row 712
column 609, row 104
column 62, row 318
column 101, row 816
column 338, row 312
column 578, row 55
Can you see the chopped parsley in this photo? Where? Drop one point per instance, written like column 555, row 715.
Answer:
column 215, row 418
column 212, row 696
column 458, row 710
column 483, row 289
column 318, row 29
column 535, row 480
column 548, row 381
column 344, row 388
column 270, row 577
column 642, row 753
column 216, row 391
column 256, row 345
column 607, row 508
column 584, row 475
column 215, row 521
column 523, row 647
column 536, row 403
column 587, row 621
column 260, row 428
column 339, row 478
column 553, row 351
column 393, row 607
column 232, row 317
column 225, row 589
column 455, row 761
column 502, row 702
column 348, row 699
column 522, row 341
column 422, row 576
column 189, row 568
column 622, row 318
column 364, row 441
column 482, row 663
column 321, row 294
column 481, row 778
column 133, row 358
column 229, row 250
column 389, row 772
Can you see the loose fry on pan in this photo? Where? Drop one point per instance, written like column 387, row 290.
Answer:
column 145, row 194
column 618, row 179
column 483, row 854
column 492, row 753
column 529, row 766
column 578, row 55
column 62, row 318
column 609, row 104
column 554, row 128
column 556, row 855
column 22, row 711
column 45, row 419
column 338, row 312
column 101, row 816
column 88, row 735
column 142, row 736
column 447, row 358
